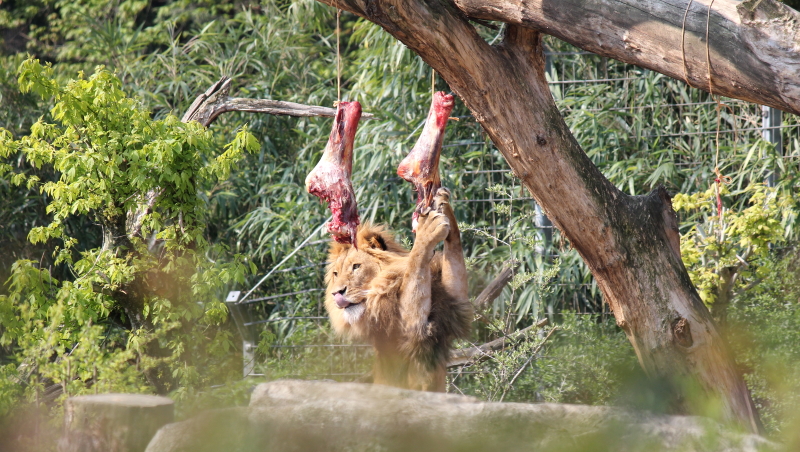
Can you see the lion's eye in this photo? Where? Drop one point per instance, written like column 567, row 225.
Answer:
column 356, row 266
column 335, row 274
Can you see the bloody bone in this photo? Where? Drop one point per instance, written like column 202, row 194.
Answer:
column 330, row 179
column 421, row 165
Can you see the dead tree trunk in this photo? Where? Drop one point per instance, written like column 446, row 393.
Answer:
column 630, row 243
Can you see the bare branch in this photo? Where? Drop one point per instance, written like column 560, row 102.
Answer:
column 495, row 288
column 216, row 101
column 479, row 353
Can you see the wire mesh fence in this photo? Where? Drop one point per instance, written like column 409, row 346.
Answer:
column 619, row 113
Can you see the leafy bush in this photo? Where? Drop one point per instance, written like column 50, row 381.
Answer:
column 131, row 304
column 764, row 330
column 727, row 254
column 585, row 359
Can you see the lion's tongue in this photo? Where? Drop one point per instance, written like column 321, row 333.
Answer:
column 340, row 300
column 330, row 179
column 421, row 165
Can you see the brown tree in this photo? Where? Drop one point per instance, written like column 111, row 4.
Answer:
column 630, row 243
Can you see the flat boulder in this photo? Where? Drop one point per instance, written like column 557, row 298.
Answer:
column 113, row 422
column 291, row 415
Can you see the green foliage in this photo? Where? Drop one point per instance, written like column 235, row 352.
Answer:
column 764, row 326
column 497, row 376
column 589, row 363
column 110, row 155
column 512, row 238
column 130, row 298
column 745, row 268
column 584, row 360
column 737, row 245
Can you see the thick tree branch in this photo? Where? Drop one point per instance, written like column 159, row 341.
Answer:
column 216, row 101
column 752, row 47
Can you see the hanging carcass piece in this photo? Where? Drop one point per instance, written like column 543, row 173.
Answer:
column 421, row 165
column 330, row 179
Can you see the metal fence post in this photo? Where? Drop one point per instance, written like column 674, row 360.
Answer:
column 545, row 227
column 248, row 341
column 771, row 131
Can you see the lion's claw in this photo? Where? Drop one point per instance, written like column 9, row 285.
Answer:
column 441, row 198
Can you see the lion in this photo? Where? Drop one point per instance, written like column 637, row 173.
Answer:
column 408, row 304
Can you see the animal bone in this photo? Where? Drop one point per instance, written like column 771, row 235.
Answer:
column 330, row 179
column 421, row 165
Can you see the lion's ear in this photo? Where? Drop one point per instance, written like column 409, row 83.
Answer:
column 373, row 240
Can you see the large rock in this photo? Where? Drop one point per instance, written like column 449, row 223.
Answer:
column 327, row 416
column 113, row 422
column 227, row 430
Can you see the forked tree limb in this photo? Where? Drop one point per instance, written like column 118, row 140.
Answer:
column 753, row 46
column 216, row 101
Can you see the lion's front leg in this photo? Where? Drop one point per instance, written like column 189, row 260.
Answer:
column 415, row 299
column 454, row 270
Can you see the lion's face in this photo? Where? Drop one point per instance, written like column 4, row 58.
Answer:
column 348, row 279
column 351, row 272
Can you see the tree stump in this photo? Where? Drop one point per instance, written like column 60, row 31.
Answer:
column 113, row 422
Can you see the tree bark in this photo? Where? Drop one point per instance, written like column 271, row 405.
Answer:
column 630, row 243
column 751, row 53
column 495, row 287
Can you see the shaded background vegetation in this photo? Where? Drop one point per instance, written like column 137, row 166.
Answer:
column 639, row 127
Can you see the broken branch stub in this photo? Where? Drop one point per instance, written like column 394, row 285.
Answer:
column 330, row 179
column 421, row 165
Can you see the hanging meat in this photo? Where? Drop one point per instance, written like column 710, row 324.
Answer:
column 421, row 165
column 330, row 179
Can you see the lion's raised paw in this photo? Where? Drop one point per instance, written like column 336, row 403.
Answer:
column 433, row 227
